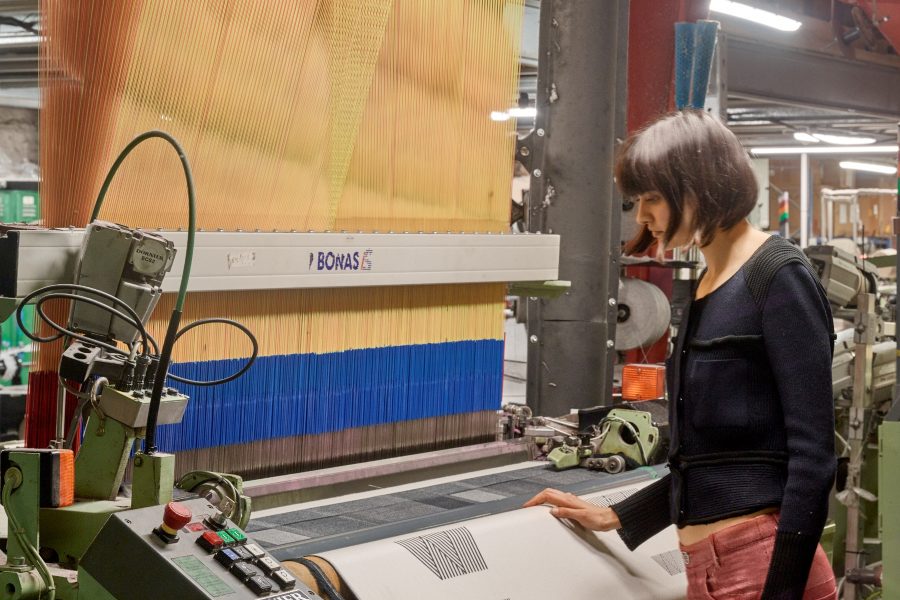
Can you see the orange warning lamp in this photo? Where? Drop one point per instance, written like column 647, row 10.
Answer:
column 643, row 382
column 55, row 477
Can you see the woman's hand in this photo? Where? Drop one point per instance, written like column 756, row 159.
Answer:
column 570, row 506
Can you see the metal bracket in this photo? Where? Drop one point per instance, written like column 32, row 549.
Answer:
column 524, row 150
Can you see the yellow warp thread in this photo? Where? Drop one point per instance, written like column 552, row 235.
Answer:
column 310, row 115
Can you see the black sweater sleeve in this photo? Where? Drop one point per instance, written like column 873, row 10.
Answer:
column 644, row 513
column 797, row 328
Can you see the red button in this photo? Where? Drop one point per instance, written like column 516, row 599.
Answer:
column 176, row 516
column 212, row 540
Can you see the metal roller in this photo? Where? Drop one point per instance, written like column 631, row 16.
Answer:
column 644, row 314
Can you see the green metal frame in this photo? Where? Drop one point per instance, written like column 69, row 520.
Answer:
column 889, row 506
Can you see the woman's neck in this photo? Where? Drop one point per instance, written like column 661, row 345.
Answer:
column 730, row 248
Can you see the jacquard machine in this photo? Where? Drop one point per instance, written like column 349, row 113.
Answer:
column 349, row 215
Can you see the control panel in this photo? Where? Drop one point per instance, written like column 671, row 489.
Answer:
column 186, row 550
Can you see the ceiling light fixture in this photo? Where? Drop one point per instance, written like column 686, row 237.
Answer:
column 770, row 150
column 841, row 140
column 845, row 140
column 870, row 167
column 802, row 136
column 763, row 17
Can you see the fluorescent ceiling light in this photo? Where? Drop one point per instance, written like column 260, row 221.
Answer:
column 800, row 136
column 527, row 112
column 873, row 168
column 14, row 40
column 763, row 17
column 763, row 151
column 846, row 140
column 515, row 112
column 843, row 140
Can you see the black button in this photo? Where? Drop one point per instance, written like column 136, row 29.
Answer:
column 243, row 571
column 243, row 553
column 259, row 585
column 268, row 564
column 284, row 579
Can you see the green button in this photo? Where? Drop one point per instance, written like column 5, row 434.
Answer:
column 237, row 534
column 226, row 537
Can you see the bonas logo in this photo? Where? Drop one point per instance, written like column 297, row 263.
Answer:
column 325, row 260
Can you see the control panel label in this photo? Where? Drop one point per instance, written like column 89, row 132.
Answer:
column 291, row 596
column 203, row 576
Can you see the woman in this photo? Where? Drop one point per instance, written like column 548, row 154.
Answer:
column 751, row 458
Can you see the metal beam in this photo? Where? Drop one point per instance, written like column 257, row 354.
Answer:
column 765, row 71
column 255, row 261
column 580, row 114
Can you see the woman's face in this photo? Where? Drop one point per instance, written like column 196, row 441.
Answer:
column 654, row 212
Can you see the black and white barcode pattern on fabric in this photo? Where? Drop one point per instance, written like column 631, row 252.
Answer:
column 447, row 554
column 610, row 499
column 671, row 561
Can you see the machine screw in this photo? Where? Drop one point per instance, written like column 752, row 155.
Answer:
column 610, row 343
column 524, row 151
column 612, row 301
column 533, row 339
column 537, row 173
column 540, row 132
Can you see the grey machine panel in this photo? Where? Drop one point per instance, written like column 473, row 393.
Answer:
column 130, row 562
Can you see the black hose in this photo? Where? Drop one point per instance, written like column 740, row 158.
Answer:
column 233, row 376
column 39, row 309
column 324, row 583
column 165, row 358
column 134, row 320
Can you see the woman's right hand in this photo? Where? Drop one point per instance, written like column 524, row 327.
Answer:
column 570, row 506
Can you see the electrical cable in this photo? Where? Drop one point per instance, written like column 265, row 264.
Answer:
column 634, row 432
column 39, row 309
column 189, row 180
column 165, row 356
column 131, row 318
column 234, row 375
column 32, row 554
column 322, row 579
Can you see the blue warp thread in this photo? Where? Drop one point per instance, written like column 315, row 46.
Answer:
column 305, row 394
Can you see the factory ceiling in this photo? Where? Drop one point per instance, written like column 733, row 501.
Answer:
column 839, row 73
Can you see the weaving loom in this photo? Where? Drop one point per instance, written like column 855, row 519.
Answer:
column 313, row 116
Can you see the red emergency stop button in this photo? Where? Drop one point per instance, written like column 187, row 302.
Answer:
column 175, row 516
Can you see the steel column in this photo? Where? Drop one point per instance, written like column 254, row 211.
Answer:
column 581, row 112
column 804, row 200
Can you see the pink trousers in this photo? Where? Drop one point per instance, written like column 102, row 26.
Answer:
column 732, row 564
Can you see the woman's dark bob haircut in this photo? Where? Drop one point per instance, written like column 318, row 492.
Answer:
column 688, row 156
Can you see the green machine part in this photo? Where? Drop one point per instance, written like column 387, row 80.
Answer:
column 889, row 506
column 25, row 576
column 567, row 457
column 631, row 433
